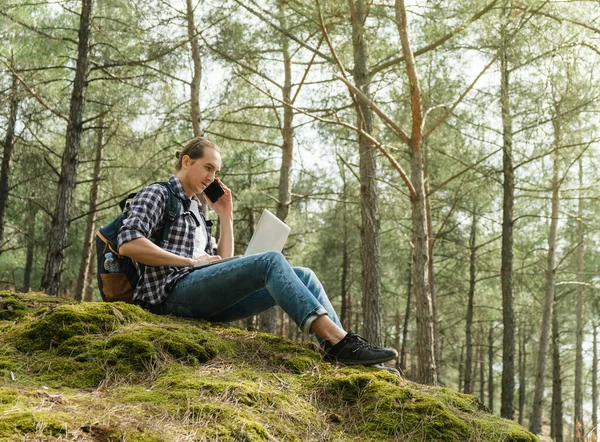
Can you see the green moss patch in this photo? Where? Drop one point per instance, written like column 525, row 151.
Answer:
column 67, row 321
column 35, row 423
column 11, row 310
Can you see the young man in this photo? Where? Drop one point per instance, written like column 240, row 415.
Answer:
column 232, row 290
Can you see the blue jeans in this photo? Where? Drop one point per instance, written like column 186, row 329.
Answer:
column 246, row 286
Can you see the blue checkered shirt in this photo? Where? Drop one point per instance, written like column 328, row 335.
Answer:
column 145, row 220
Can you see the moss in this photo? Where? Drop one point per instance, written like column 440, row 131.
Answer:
column 350, row 388
column 56, row 371
column 67, row 321
column 139, row 347
column 462, row 402
column 493, row 428
column 8, row 395
column 299, row 364
column 421, row 417
column 12, row 310
column 47, row 424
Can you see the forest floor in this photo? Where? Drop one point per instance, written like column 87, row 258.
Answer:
column 113, row 372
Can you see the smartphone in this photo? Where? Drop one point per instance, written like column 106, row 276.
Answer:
column 214, row 191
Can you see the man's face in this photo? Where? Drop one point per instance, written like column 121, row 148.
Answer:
column 202, row 171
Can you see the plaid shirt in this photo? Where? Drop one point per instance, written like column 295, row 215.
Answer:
column 145, row 220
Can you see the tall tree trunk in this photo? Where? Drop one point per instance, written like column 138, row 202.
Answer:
column 595, row 385
column 369, row 233
column 578, row 417
column 197, row 75
column 469, row 341
column 491, row 369
column 481, row 366
column 398, row 328
column 522, row 376
column 30, row 239
column 345, row 318
column 535, row 426
column 425, row 318
column 86, row 254
column 249, row 322
column 506, row 270
column 90, row 287
column 461, row 366
column 287, row 131
column 556, row 431
column 9, row 141
column 436, row 325
column 66, row 185
column 406, row 317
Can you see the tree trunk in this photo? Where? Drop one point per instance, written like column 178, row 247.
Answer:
column 461, row 368
column 578, row 416
column 249, row 321
column 66, row 185
column 9, row 141
column 345, row 317
column 287, row 131
column 556, row 431
column 506, row 270
column 86, row 254
column 406, row 317
column 425, row 319
column 436, row 326
column 468, row 388
column 491, row 369
column 369, row 233
column 90, row 287
column 398, row 327
column 30, row 239
column 481, row 367
column 595, row 385
column 535, row 426
column 522, row 377
column 197, row 75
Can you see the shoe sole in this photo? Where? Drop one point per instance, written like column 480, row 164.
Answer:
column 369, row 362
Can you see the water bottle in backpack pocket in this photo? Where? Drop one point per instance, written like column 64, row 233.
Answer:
column 117, row 275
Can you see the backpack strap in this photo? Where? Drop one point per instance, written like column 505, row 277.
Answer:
column 172, row 209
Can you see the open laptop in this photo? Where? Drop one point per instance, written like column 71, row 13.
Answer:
column 271, row 234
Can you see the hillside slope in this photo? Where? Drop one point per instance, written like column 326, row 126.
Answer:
column 113, row 372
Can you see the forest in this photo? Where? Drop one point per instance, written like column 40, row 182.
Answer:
column 435, row 160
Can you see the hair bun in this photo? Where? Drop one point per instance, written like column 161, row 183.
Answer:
column 177, row 154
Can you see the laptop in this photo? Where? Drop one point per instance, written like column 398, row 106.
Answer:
column 271, row 234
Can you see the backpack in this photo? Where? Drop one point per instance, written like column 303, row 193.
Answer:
column 120, row 282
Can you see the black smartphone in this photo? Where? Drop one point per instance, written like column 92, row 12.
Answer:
column 214, row 191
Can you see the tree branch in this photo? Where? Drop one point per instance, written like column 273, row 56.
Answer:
column 284, row 31
column 36, row 96
column 462, row 96
column 387, row 120
column 437, row 43
column 440, row 186
column 376, row 143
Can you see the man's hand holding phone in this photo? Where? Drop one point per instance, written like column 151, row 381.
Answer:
column 219, row 198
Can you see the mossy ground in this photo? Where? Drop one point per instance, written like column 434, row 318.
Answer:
column 112, row 372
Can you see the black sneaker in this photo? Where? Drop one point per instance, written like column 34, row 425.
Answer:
column 355, row 350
